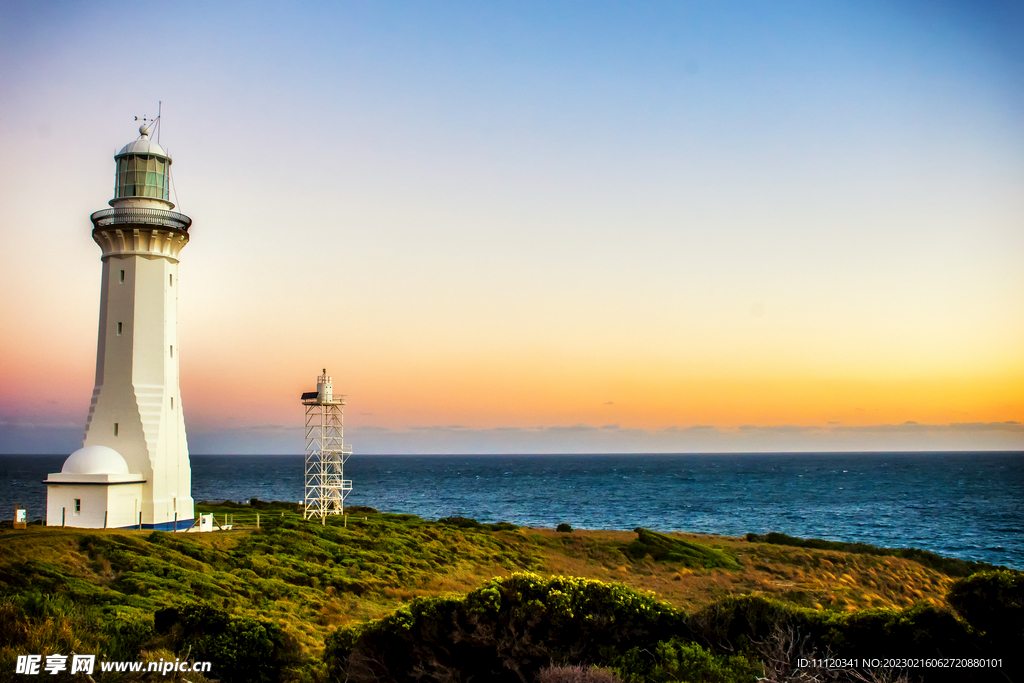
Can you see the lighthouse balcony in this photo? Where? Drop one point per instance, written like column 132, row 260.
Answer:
column 132, row 217
column 124, row 231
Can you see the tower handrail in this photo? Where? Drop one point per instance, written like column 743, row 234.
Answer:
column 135, row 215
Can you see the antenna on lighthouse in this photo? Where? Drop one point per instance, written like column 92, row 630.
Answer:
column 149, row 123
column 326, row 451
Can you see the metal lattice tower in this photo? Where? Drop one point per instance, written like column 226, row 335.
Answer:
column 326, row 452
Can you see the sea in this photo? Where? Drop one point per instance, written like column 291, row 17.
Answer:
column 957, row 504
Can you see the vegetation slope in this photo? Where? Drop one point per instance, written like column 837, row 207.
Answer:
column 292, row 600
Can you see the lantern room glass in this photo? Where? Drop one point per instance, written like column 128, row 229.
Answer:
column 142, row 175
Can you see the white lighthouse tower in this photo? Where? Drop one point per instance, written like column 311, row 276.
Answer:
column 135, row 413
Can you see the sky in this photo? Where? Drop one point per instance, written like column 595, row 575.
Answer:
column 517, row 227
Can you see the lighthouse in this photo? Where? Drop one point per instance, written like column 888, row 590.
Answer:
column 133, row 468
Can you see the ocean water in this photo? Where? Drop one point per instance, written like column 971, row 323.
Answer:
column 966, row 505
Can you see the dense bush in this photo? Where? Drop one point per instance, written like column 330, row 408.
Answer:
column 470, row 523
column 779, row 634
column 165, row 619
column 360, row 510
column 513, row 628
column 125, row 631
column 39, row 605
column 664, row 548
column 564, row 527
column 241, row 649
column 461, row 522
column 992, row 602
column 678, row 660
column 505, row 631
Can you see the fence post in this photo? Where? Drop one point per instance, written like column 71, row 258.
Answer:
column 105, row 518
column 140, row 520
column 175, row 522
column 257, row 520
column 62, row 511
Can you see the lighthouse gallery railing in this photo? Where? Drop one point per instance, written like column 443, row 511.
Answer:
column 130, row 216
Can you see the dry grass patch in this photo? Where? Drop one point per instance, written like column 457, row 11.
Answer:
column 808, row 577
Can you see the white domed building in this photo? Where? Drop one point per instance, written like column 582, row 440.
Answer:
column 95, row 490
column 133, row 469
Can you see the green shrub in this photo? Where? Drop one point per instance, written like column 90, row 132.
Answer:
column 241, row 649
column 125, row 631
column 38, row 605
column 512, row 628
column 921, row 631
column 469, row 523
column 664, row 548
column 461, row 522
column 677, row 660
column 360, row 510
column 774, row 632
column 734, row 624
column 991, row 602
column 165, row 619
column 505, row 631
column 564, row 528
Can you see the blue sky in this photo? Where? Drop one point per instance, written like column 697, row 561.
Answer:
column 798, row 225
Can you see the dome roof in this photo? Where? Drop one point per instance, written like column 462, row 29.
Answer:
column 95, row 460
column 143, row 145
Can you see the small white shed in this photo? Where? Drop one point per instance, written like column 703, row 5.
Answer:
column 94, row 490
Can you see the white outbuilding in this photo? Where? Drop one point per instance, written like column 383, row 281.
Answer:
column 95, row 490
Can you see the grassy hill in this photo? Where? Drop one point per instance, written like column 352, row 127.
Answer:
column 122, row 592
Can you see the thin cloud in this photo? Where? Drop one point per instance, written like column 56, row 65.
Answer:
column 56, row 424
column 1011, row 426
column 914, row 427
column 608, row 438
column 573, row 428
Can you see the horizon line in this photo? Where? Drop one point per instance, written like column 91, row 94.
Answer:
column 386, row 455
